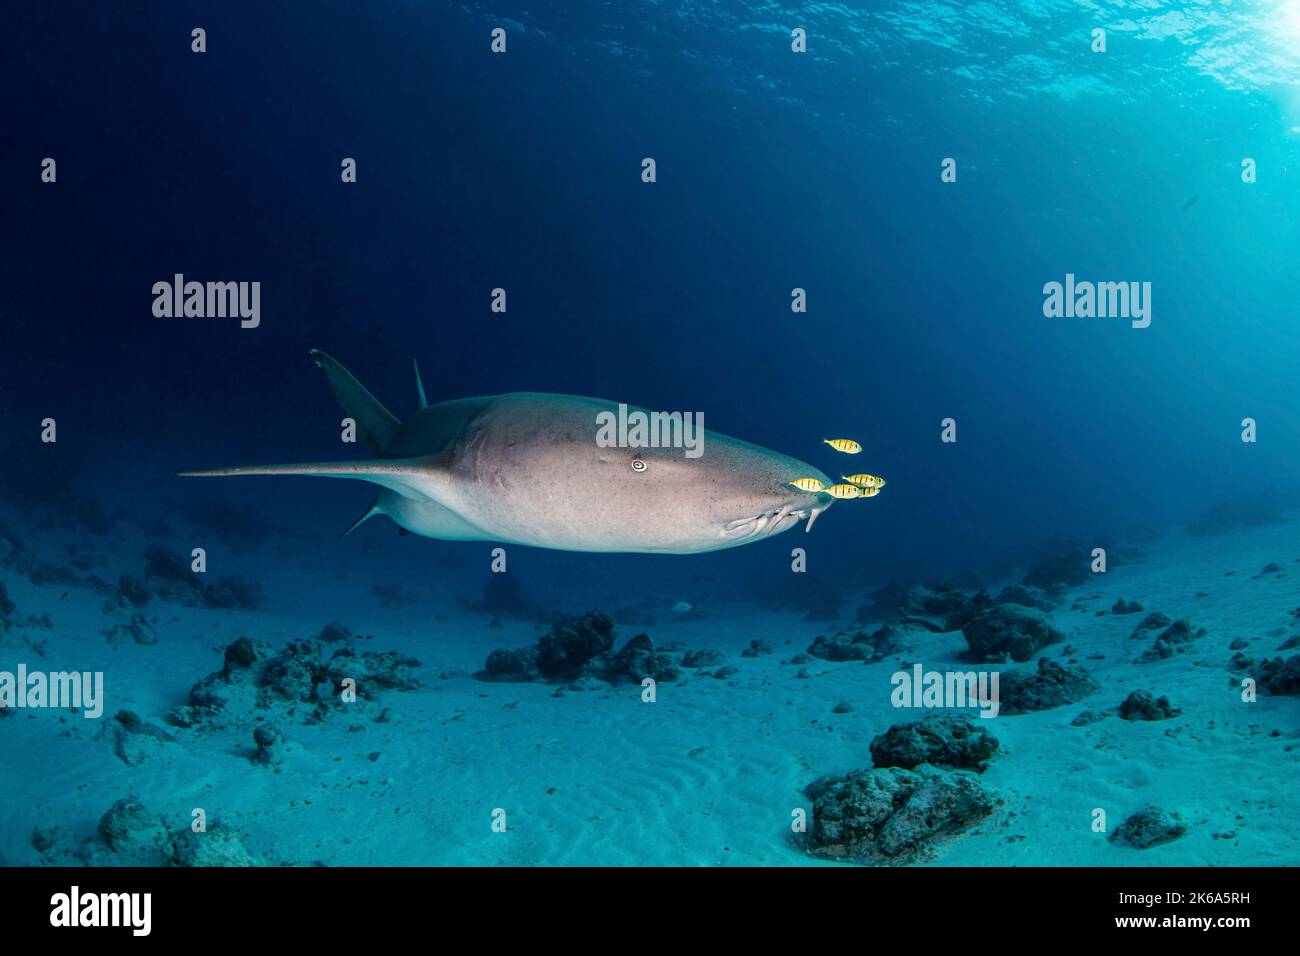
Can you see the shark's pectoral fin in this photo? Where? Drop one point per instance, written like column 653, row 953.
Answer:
column 370, row 512
column 419, row 384
column 420, row 479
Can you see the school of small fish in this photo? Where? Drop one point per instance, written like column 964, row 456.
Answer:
column 860, row 485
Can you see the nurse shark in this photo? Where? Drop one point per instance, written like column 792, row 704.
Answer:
column 526, row 468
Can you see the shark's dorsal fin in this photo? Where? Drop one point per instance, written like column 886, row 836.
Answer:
column 376, row 424
column 419, row 384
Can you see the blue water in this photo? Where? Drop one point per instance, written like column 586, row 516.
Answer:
column 775, row 171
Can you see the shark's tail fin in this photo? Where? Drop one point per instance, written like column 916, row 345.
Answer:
column 375, row 424
column 409, row 477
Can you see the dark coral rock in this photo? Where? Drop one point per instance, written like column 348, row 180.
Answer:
column 943, row 607
column 129, row 834
column 1157, row 652
column 1140, row 705
column 1009, row 631
column 218, row 845
column 636, row 660
column 294, row 673
column 132, row 591
column 1087, row 717
column 860, row 646
column 886, row 639
column 581, row 651
column 1027, row 595
column 757, row 648
column 659, row 667
column 253, row 676
column 705, row 657
column 268, row 740
column 134, row 741
column 512, row 666
column 135, row 835
column 241, row 661
column 240, row 655
column 571, row 645
column 639, row 643
column 1180, row 632
column 138, row 630
column 940, row 740
column 373, row 671
column 1051, row 685
column 1171, row 641
column 1126, row 607
column 829, row 649
column 722, row 673
column 1279, row 677
column 892, row 816
column 1152, row 622
column 1149, row 827
column 7, row 608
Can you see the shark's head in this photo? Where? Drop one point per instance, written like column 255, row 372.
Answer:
column 779, row 515
column 758, row 499
column 734, row 493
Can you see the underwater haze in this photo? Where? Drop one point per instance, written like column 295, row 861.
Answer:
column 1038, row 260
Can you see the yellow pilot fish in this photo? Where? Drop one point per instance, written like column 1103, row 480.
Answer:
column 864, row 480
column 846, row 445
column 808, row 484
column 844, row 491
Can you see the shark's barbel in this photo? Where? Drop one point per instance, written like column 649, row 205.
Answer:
column 526, row 468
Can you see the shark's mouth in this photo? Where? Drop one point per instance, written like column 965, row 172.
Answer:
column 773, row 522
